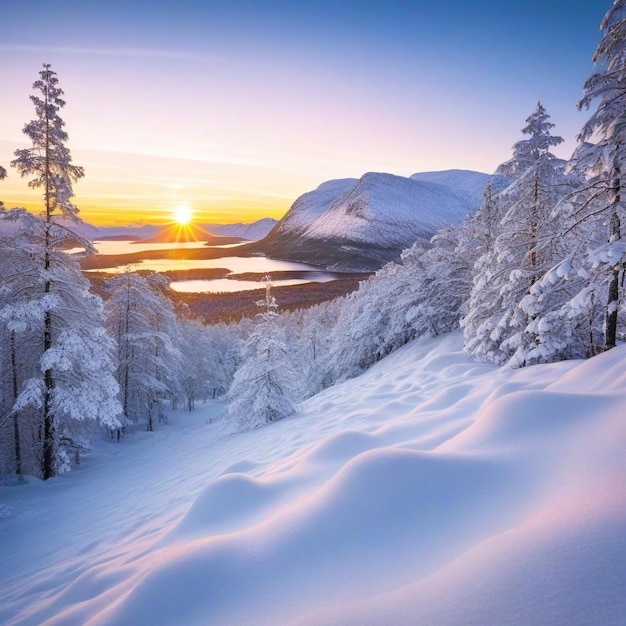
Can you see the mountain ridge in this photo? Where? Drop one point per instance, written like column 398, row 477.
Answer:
column 361, row 224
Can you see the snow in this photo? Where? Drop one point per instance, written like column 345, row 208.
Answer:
column 311, row 205
column 433, row 489
column 382, row 209
column 390, row 210
column 356, row 225
column 465, row 182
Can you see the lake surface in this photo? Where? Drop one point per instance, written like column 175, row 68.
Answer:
column 227, row 285
column 235, row 265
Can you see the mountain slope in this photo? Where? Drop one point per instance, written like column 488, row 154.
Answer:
column 465, row 182
column 363, row 224
column 433, row 489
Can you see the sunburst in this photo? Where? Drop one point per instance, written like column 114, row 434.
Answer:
column 182, row 215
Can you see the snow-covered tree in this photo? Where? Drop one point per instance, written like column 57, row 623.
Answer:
column 142, row 322
column 74, row 384
column 523, row 249
column 528, row 152
column 265, row 388
column 19, row 347
column 585, row 288
column 484, row 225
column 424, row 294
column 444, row 282
column 224, row 354
column 196, row 364
column 309, row 333
column 606, row 159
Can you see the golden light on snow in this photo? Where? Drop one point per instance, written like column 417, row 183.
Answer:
column 182, row 215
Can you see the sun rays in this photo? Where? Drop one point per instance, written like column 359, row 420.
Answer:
column 182, row 215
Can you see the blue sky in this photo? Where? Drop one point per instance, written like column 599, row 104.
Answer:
column 236, row 108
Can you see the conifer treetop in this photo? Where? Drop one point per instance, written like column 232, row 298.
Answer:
column 608, row 85
column 49, row 161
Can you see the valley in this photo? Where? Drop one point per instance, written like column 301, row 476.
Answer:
column 215, row 285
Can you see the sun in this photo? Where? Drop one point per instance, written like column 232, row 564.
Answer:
column 182, row 215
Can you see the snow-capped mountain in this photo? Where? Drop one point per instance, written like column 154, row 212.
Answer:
column 362, row 224
column 465, row 181
column 10, row 227
column 253, row 232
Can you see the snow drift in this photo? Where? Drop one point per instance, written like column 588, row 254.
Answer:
column 431, row 490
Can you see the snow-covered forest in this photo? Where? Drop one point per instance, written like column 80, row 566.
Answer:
column 444, row 445
column 535, row 276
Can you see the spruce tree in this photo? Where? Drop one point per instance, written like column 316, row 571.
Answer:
column 141, row 319
column 520, row 249
column 75, row 384
column 264, row 388
column 606, row 159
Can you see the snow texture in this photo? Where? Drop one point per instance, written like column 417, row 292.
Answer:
column 361, row 224
column 389, row 210
column 467, row 182
column 431, row 490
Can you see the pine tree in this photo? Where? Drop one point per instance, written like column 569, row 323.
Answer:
column 141, row 320
column 224, row 354
column 528, row 152
column 18, row 344
column 606, row 160
column 520, row 250
column 265, row 388
column 75, row 382
column 197, row 365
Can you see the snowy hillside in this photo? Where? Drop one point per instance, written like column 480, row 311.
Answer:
column 312, row 205
column 431, row 490
column 464, row 181
column 362, row 224
column 389, row 211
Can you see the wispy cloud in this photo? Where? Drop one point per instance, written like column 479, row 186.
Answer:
column 144, row 53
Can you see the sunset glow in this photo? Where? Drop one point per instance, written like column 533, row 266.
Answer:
column 183, row 215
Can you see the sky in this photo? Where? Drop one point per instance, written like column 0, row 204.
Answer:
column 234, row 108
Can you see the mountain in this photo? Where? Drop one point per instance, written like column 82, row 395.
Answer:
column 211, row 233
column 362, row 224
column 465, row 181
column 165, row 234
column 191, row 232
column 254, row 231
column 9, row 228
column 145, row 231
